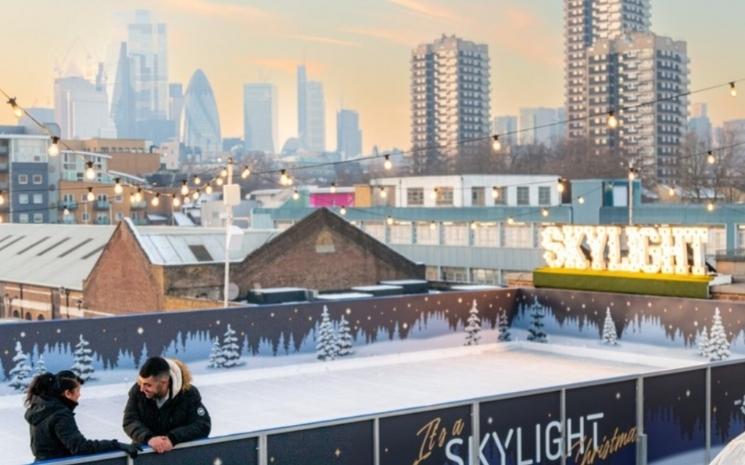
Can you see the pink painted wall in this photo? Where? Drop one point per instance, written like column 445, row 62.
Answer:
column 325, row 199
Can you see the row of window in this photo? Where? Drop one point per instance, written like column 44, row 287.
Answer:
column 35, row 179
column 444, row 196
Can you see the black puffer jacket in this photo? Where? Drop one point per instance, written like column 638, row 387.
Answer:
column 182, row 418
column 54, row 432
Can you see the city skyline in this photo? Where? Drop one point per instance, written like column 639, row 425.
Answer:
column 361, row 59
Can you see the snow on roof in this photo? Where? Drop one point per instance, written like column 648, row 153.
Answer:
column 182, row 220
column 169, row 245
column 403, row 282
column 474, row 287
column 277, row 290
column 378, row 287
column 50, row 255
column 343, row 296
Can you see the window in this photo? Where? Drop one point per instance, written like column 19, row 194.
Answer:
column 119, row 198
column 455, row 234
column 37, row 179
column 23, row 199
column 444, row 196
column 414, row 196
column 523, row 195
column 485, row 235
column 68, row 199
column 544, row 195
column 119, row 216
column 518, row 236
column 38, row 199
column 426, row 234
column 401, row 233
column 38, row 217
column 501, row 198
column 86, row 216
column 454, row 274
column 23, row 179
column 477, row 196
column 484, row 276
column 23, row 218
column 376, row 230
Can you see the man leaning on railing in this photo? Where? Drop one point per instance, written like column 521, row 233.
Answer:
column 163, row 408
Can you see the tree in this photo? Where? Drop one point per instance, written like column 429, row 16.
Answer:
column 345, row 339
column 40, row 367
column 702, row 342
column 230, row 349
column 83, row 360
column 326, row 346
column 473, row 326
column 20, row 374
column 216, row 359
column 610, row 336
column 718, row 343
column 504, row 328
column 537, row 313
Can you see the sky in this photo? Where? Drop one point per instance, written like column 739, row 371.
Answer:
column 359, row 49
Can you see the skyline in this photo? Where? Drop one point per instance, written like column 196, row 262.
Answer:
column 348, row 50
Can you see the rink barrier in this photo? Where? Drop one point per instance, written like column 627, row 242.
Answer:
column 398, row 437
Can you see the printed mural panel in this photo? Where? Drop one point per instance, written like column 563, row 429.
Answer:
column 437, row 437
column 239, row 452
column 264, row 336
column 601, row 424
column 521, row 430
column 349, row 444
column 727, row 404
column 675, row 418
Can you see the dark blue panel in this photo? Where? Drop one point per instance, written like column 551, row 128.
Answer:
column 727, row 403
column 239, row 452
column 350, row 444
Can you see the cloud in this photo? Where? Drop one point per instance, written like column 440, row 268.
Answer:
column 427, row 9
column 229, row 11
column 322, row 40
column 384, row 34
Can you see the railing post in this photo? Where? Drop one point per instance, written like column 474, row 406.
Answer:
column 641, row 438
column 475, row 433
column 708, row 414
column 563, row 416
column 376, row 441
column 263, row 450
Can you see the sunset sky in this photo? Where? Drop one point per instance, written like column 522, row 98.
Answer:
column 359, row 49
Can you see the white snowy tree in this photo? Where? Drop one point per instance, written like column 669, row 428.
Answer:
column 702, row 342
column 216, row 359
column 537, row 313
column 718, row 347
column 231, row 351
column 504, row 328
column 83, row 360
column 40, row 367
column 610, row 336
column 345, row 339
column 473, row 326
column 20, row 374
column 326, row 344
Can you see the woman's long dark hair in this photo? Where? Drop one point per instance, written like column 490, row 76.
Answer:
column 49, row 385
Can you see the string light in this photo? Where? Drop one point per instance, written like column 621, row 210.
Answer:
column 732, row 89
column 632, row 174
column 66, row 212
column 224, row 173
column 671, row 191
column 132, row 198
column 283, row 179
column 53, row 149
column 90, row 172
column 197, row 180
column 16, row 109
column 332, row 189
column 195, row 195
column 612, row 120
column 510, row 220
column 389, row 220
column 246, row 172
column 496, row 145
column 118, row 189
column 176, row 202
column 710, row 206
column 560, row 185
column 387, row 164
column 184, row 187
column 219, row 181
column 710, row 158
column 474, row 226
column 432, row 225
column 295, row 195
column 581, row 200
column 494, row 192
column 138, row 195
column 155, row 201
column 383, row 192
column 91, row 197
column 544, row 212
column 434, row 194
column 343, row 211
column 208, row 189
column 2, row 198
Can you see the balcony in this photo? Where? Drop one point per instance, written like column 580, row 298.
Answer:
column 102, row 205
column 138, row 205
column 70, row 205
column 4, row 166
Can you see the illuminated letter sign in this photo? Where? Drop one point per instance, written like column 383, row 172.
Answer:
column 648, row 249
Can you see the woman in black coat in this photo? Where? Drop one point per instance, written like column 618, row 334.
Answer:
column 50, row 402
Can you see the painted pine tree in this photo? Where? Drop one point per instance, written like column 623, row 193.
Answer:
column 20, row 374
column 702, row 342
column 537, row 314
column 230, row 349
column 610, row 336
column 346, row 340
column 216, row 360
column 473, row 326
column 326, row 345
column 503, row 326
column 83, row 360
column 718, row 343
column 40, row 367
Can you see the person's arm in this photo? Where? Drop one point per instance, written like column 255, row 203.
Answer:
column 198, row 424
column 68, row 433
column 132, row 423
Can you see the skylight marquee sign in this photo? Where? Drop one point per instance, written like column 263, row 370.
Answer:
column 648, row 249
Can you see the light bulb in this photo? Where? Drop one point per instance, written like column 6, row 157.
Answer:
column 195, row 195
column 2, row 198
column 389, row 220
column 732, row 89
column 383, row 193
column 612, row 120
column 219, row 181
column 53, row 149
column 434, row 194
column 197, row 180
column 580, row 200
column 138, row 195
column 343, row 211
column 333, row 188
column 245, row 173
column 495, row 192
column 208, row 189
column 14, row 106
column 387, row 164
column 510, row 220
column 671, row 192
column 66, row 212
column 90, row 172
column 496, row 145
column 223, row 173
column 283, row 179
column 155, row 201
column 132, row 198
column 560, row 186
column 176, row 202
column 710, row 158
column 544, row 212
column 91, row 197
column 295, row 195
column 118, row 186
column 432, row 225
column 632, row 174
column 474, row 226
column 710, row 206
column 184, row 187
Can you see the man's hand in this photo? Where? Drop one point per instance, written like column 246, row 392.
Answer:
column 160, row 444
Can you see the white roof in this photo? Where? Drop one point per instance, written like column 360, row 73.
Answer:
column 343, row 296
column 378, row 287
column 50, row 255
column 172, row 245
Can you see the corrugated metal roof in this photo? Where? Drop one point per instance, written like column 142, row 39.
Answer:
column 169, row 246
column 53, row 255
